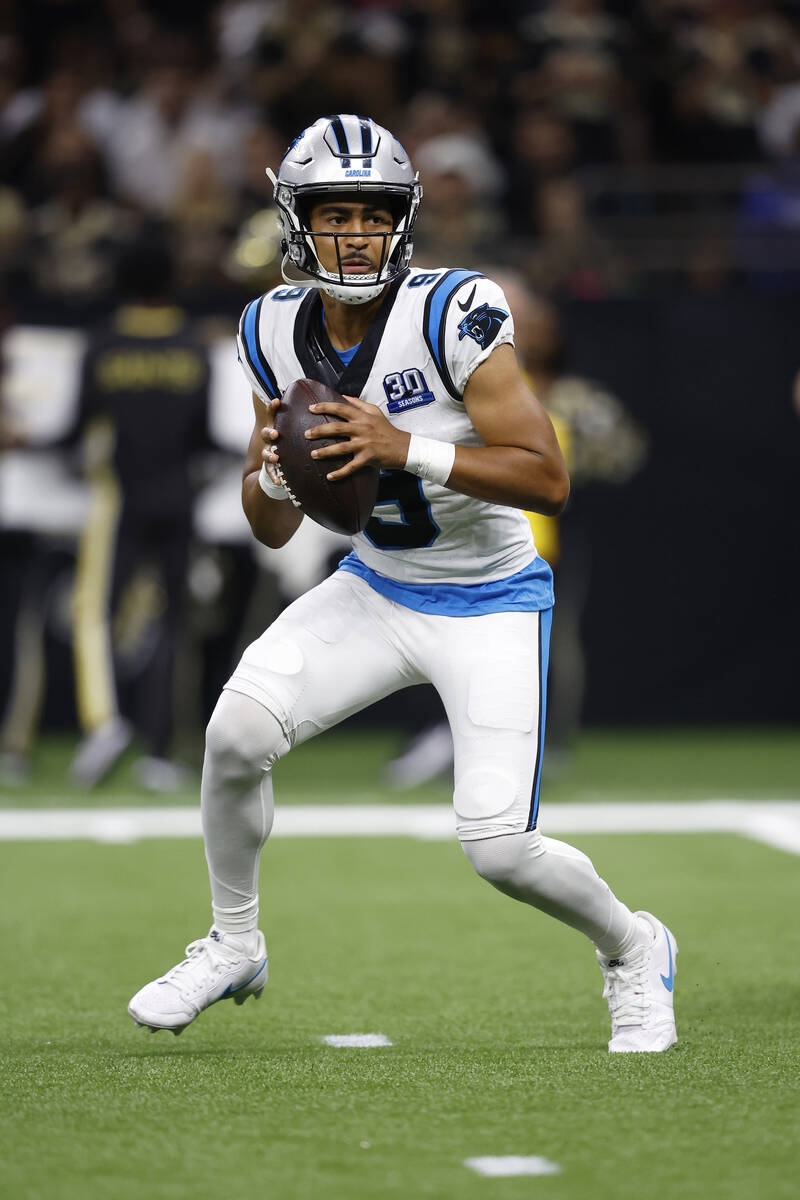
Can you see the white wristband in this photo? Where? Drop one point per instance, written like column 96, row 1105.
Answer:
column 430, row 459
column 275, row 491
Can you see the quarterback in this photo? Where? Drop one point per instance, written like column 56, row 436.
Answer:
column 444, row 585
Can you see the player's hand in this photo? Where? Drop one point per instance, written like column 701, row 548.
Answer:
column 269, row 436
column 371, row 438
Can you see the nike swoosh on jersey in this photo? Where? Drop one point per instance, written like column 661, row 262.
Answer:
column 468, row 303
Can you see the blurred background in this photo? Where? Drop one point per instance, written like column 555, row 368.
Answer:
column 630, row 172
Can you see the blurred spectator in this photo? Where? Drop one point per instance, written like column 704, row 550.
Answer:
column 462, row 220
column 146, row 374
column 359, row 77
column 569, row 257
column 443, row 37
column 254, row 255
column 431, row 114
column 780, row 120
column 544, row 149
column 202, row 217
column 14, row 106
column 720, row 64
column 75, row 232
column 173, row 117
column 286, row 46
column 263, row 147
column 577, row 54
column 13, row 228
column 35, row 119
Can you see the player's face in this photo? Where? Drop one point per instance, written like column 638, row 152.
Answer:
column 356, row 236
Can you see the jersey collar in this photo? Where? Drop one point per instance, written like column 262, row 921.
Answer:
column 317, row 356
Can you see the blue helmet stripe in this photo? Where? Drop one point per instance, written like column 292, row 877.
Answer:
column 255, row 358
column 436, row 307
column 339, row 133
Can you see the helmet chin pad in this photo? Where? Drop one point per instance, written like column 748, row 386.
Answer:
column 351, row 295
column 332, row 286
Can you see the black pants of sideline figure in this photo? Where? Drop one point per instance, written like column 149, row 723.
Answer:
column 145, row 641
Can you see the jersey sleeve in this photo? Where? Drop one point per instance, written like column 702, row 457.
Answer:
column 476, row 318
column 252, row 357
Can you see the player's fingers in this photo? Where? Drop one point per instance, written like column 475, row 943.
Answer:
column 334, row 451
column 270, row 467
column 269, row 416
column 351, row 465
column 329, row 429
column 333, row 407
column 360, row 458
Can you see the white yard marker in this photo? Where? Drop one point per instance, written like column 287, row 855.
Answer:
column 356, row 1039
column 512, row 1164
column 774, row 823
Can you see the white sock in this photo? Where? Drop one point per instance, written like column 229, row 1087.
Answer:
column 638, row 937
column 239, row 921
column 237, row 810
column 244, row 942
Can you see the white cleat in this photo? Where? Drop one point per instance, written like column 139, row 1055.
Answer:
column 640, row 990
column 217, row 967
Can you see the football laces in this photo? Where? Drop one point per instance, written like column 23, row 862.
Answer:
column 285, row 483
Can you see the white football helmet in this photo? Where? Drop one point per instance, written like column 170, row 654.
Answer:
column 354, row 158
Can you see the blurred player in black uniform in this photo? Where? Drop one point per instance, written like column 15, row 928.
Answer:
column 145, row 376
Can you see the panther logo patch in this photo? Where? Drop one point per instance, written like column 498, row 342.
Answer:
column 482, row 324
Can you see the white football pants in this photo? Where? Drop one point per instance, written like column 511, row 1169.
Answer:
column 341, row 647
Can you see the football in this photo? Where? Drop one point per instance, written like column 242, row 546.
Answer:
column 343, row 505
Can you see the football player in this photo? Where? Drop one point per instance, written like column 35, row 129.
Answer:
column 444, row 585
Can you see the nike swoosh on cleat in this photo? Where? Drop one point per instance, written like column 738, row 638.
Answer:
column 466, row 307
column 229, row 991
column 668, row 980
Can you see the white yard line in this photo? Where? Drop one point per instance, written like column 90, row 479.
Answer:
column 497, row 1166
column 775, row 823
column 360, row 1041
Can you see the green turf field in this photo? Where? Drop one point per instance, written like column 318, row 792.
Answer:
column 495, row 1015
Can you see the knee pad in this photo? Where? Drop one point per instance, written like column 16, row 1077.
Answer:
column 243, row 737
column 487, row 802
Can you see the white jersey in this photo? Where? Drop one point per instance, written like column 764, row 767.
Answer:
column 434, row 328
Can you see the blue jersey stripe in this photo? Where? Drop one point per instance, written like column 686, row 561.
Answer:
column 436, row 307
column 545, row 625
column 255, row 357
column 529, row 590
